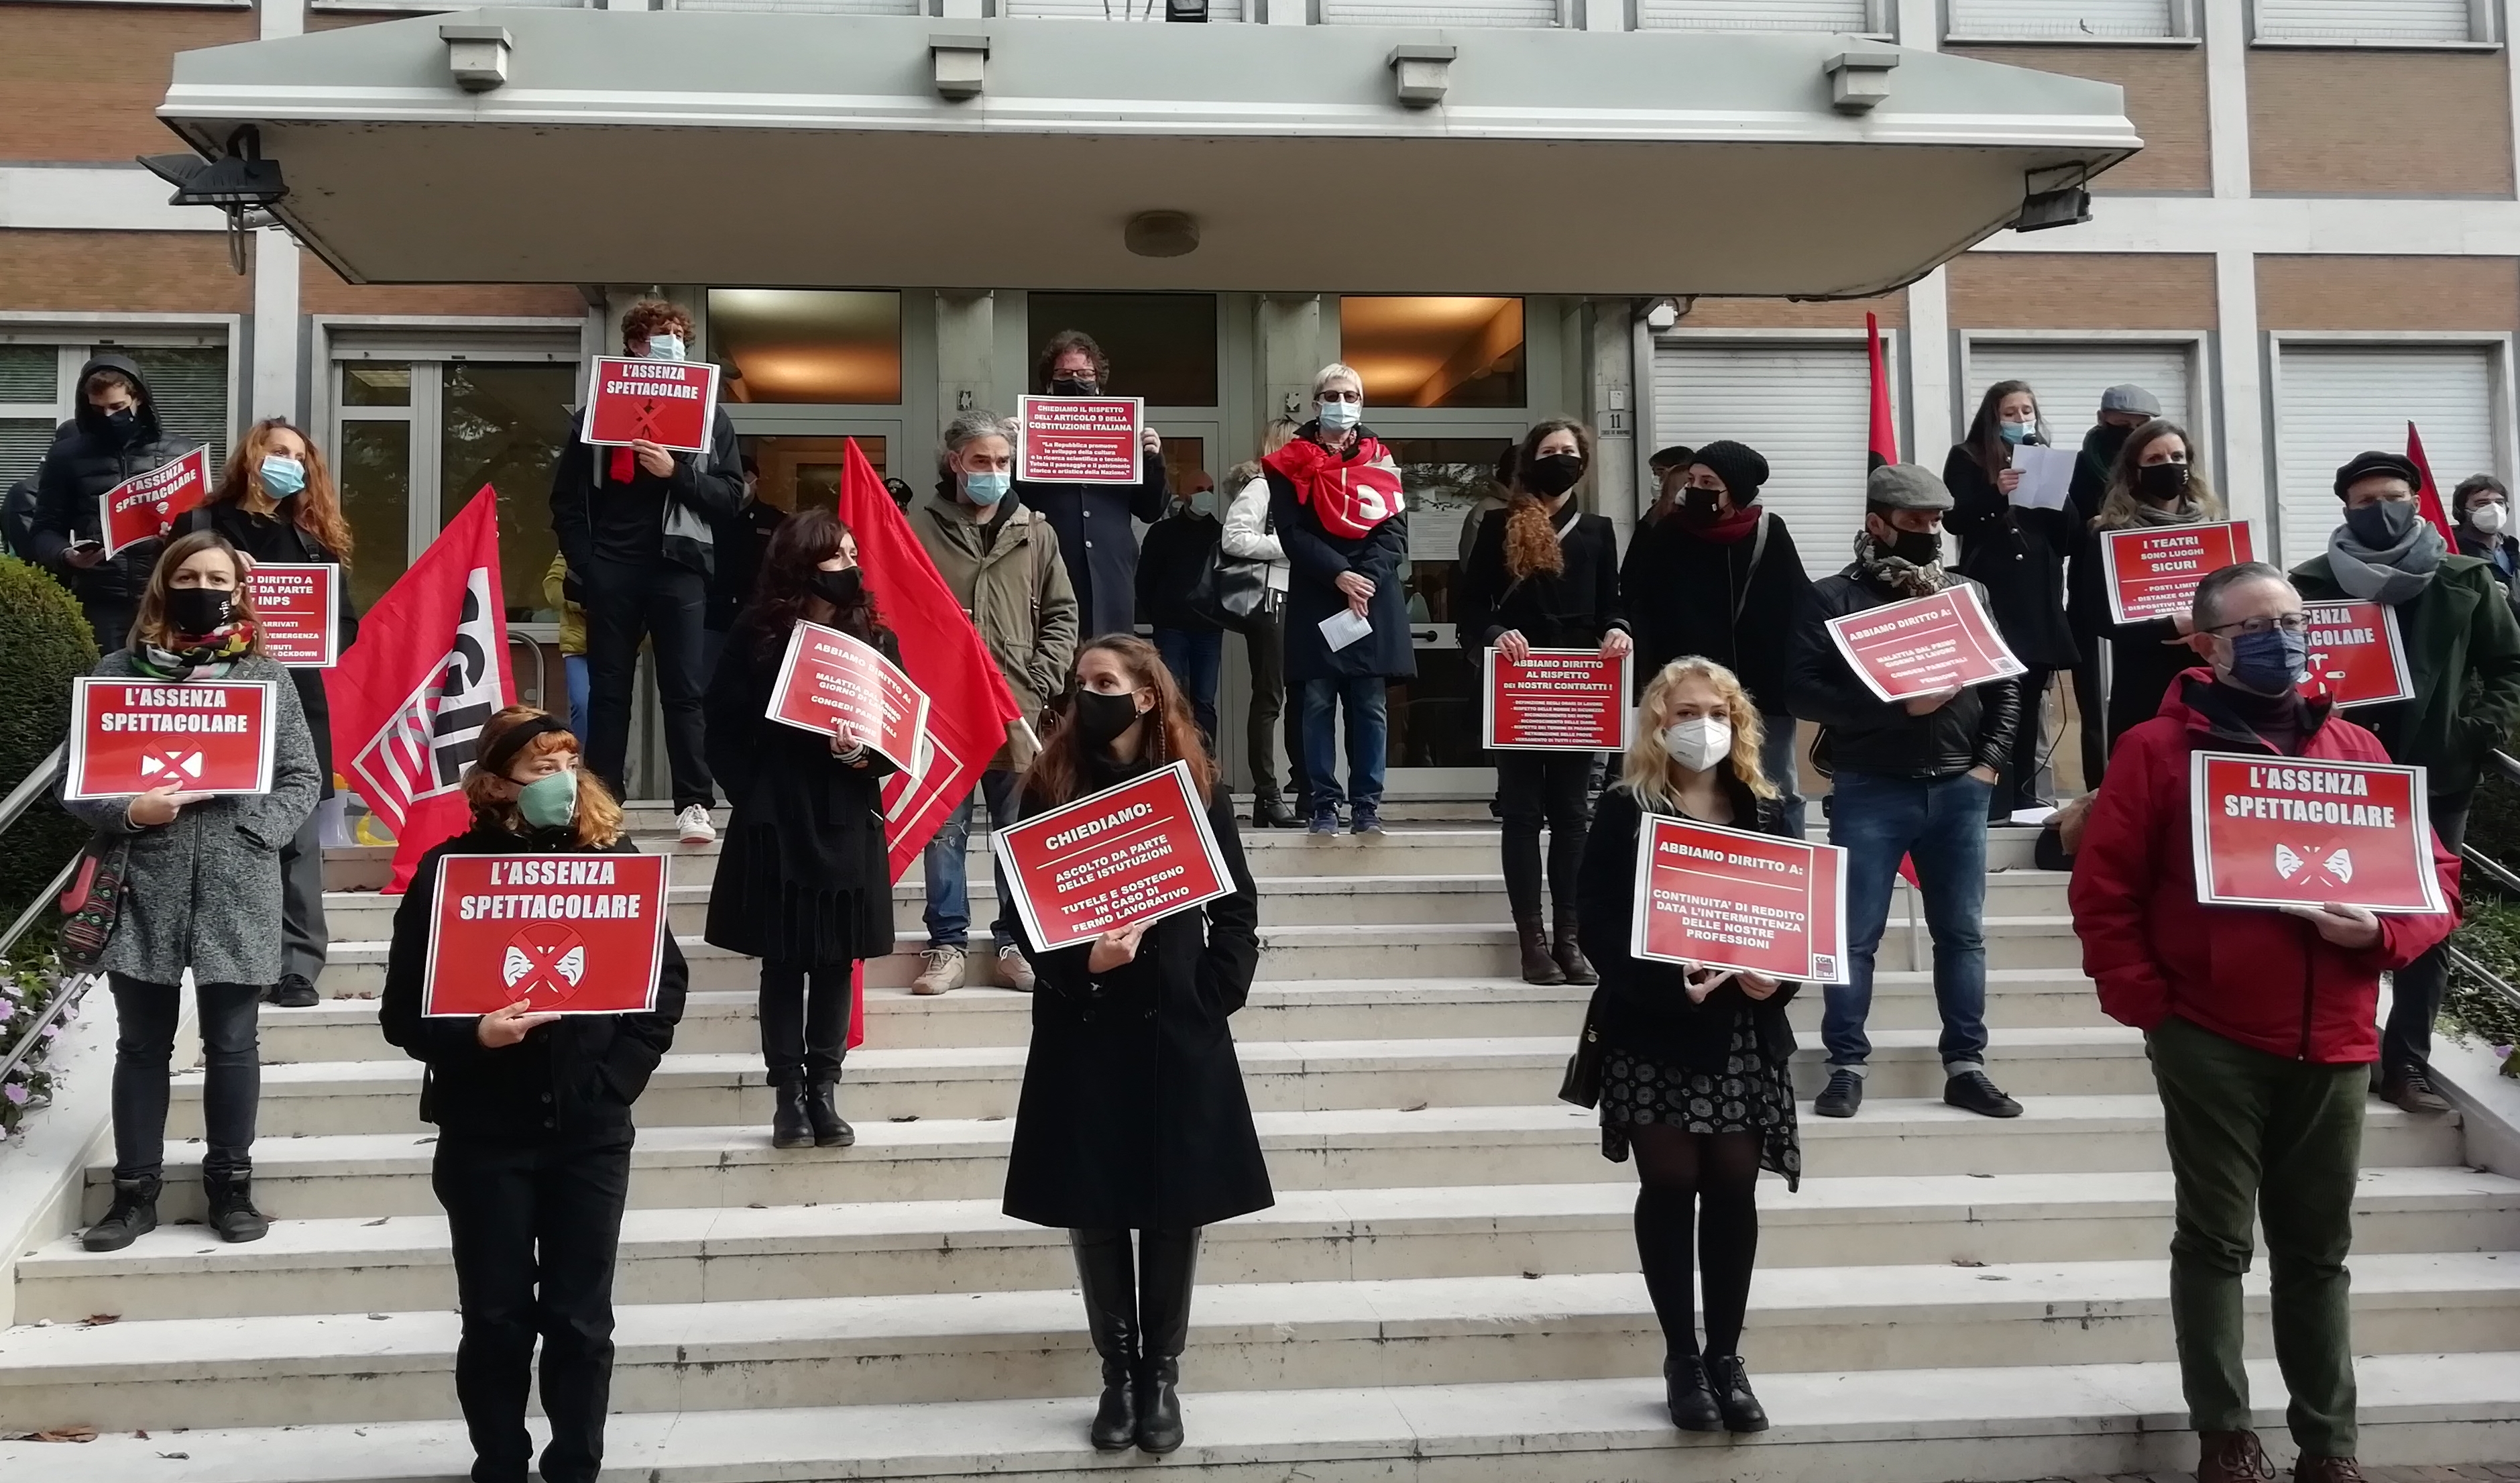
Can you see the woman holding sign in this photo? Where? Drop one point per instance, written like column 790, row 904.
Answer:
column 1692, row 1061
column 1133, row 1116
column 2152, row 485
column 1542, row 574
column 202, row 888
column 804, row 882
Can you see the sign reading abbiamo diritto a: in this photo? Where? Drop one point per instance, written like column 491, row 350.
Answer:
column 564, row 934
column 204, row 737
column 671, row 403
column 828, row 678
column 1131, row 854
column 1722, row 898
column 1924, row 645
column 297, row 606
column 2302, row 832
column 1557, row 699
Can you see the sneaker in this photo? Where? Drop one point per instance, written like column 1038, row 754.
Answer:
column 2413, row 1090
column 134, row 1214
column 1367, row 822
column 1974, row 1091
column 693, row 826
column 1014, row 969
column 1843, row 1094
column 1325, row 820
column 943, row 974
column 292, row 992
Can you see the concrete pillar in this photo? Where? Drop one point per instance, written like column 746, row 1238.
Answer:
column 1933, row 406
column 966, row 358
column 1291, row 349
column 2239, row 367
column 1611, row 380
column 272, row 381
column 2227, row 97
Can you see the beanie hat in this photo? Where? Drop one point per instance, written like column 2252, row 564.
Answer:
column 2376, row 464
column 1737, row 465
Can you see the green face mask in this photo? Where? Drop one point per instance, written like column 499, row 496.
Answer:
column 550, row 802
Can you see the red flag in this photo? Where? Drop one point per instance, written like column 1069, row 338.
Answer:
column 1885, row 436
column 2428, row 496
column 410, row 697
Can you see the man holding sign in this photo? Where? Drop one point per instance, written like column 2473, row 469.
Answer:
column 2259, row 1020
column 115, row 437
column 1093, row 521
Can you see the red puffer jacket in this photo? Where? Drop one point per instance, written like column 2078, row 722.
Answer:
column 2250, row 975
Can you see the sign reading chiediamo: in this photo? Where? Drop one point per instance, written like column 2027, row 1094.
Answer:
column 1130, row 854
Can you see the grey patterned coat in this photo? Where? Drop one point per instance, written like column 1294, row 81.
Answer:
column 205, row 889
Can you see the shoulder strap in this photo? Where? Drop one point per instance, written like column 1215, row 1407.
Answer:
column 1758, row 554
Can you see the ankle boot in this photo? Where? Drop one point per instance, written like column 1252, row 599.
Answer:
column 2232, row 1456
column 1568, row 957
column 233, row 1216
column 1692, row 1399
column 1270, row 811
column 1538, row 966
column 1168, row 1265
column 789, row 1126
column 830, row 1130
column 133, row 1215
column 1104, row 1270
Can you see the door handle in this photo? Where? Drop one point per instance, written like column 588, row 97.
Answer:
column 1422, row 635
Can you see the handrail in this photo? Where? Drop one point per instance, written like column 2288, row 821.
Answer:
column 2502, row 875
column 2466, row 964
column 74, row 989
column 37, row 907
column 2504, row 763
column 33, row 785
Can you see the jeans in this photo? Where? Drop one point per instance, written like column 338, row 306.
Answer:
column 1369, row 726
column 804, row 1020
column 663, row 602
column 2415, row 990
column 144, row 1051
column 534, row 1229
column 1781, row 758
column 1265, row 643
column 574, row 667
column 2254, row 1134
column 1536, row 789
column 949, row 896
column 1196, row 658
column 1940, row 823
column 304, row 937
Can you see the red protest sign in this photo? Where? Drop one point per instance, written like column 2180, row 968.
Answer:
column 205, row 736
column 1129, row 854
column 1079, row 439
column 1924, row 645
column 2285, row 832
column 1557, row 699
column 2356, row 653
column 144, row 506
column 827, row 679
column 297, row 609
column 1725, row 898
column 2152, row 572
column 568, row 934
column 672, row 403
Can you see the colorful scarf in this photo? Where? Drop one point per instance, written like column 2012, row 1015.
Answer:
column 207, row 658
column 1900, row 575
column 1350, row 494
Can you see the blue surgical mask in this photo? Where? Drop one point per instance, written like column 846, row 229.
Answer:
column 2017, row 433
column 282, row 475
column 2269, row 663
column 1203, row 502
column 989, row 487
column 551, row 801
column 664, row 348
column 1338, row 417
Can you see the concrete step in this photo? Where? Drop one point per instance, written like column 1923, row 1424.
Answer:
column 370, row 1175
column 928, row 1347
column 402, row 1263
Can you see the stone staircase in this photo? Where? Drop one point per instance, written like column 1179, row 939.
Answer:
column 1445, row 1292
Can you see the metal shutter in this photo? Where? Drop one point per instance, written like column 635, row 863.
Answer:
column 1110, row 10
column 2363, row 20
column 22, row 441
column 1843, row 16
column 30, row 404
column 809, row 7
column 1807, row 407
column 1542, row 13
column 2065, row 20
column 2069, row 379
column 2334, row 401
column 189, row 390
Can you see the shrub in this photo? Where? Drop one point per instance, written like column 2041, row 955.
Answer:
column 27, row 985
column 44, row 644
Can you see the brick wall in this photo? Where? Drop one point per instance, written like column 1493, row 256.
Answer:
column 122, row 272
column 2081, row 291
column 82, row 82
column 2389, row 293
column 321, row 291
column 2380, row 123
column 1785, row 314
column 2165, row 97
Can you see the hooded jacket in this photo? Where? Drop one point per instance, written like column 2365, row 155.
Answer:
column 1008, row 577
column 86, row 460
column 2250, row 975
column 2463, row 654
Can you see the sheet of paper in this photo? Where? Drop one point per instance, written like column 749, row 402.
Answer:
column 1345, row 627
column 2046, row 476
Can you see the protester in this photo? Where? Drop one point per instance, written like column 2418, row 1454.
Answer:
column 1001, row 561
column 1911, row 780
column 741, row 540
column 1251, row 536
column 534, row 1133
column 2153, row 486
column 1693, row 1062
column 2462, row 648
column 276, row 501
column 1722, row 579
column 636, row 524
column 1132, row 1115
column 1177, row 562
column 2482, row 506
column 113, row 436
column 559, row 590
column 1490, row 495
column 201, row 894
column 1669, row 468
column 1334, row 497
column 2016, row 552
column 1094, row 537
column 1545, row 576
column 2122, row 410
column 2259, row 1026
column 804, row 880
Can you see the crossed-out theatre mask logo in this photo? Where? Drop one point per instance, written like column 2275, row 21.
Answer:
column 544, row 965
column 2306, row 864
column 424, row 748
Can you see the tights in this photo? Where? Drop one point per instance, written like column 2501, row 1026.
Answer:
column 1719, row 1174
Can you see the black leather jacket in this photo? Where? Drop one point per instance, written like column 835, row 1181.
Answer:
column 1866, row 734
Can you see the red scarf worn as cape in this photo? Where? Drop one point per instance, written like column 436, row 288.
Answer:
column 1350, row 495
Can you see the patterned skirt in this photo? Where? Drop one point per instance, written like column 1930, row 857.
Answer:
column 1751, row 1094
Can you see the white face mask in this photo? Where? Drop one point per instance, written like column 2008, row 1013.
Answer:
column 664, row 348
column 2488, row 519
column 1700, row 743
column 1338, row 417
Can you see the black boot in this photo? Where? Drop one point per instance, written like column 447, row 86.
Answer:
column 1167, row 1267
column 1104, row 1270
column 233, row 1217
column 1688, row 1394
column 1741, row 1408
column 133, row 1215
column 831, row 1128
column 1568, row 957
column 1538, row 966
column 789, row 1127
column 1269, row 811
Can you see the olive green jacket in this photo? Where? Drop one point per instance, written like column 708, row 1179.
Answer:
column 2463, row 649
column 1009, row 579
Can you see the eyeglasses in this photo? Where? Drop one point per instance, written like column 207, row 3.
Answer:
column 1340, row 397
column 2289, row 622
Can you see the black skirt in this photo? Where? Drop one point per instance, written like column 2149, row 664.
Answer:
column 1750, row 1094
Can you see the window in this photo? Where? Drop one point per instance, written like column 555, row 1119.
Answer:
column 2335, row 400
column 803, row 7
column 833, row 347
column 1454, row 351
column 2374, row 23
column 1805, row 404
column 1162, row 347
column 1871, row 17
column 188, row 384
column 2072, row 20
column 32, row 405
column 804, row 472
column 1112, row 10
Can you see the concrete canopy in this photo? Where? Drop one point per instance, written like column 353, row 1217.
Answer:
column 735, row 149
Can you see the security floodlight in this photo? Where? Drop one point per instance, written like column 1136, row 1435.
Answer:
column 2042, row 210
column 239, row 182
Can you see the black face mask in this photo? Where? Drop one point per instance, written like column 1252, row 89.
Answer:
column 1102, row 718
column 840, row 589
column 1700, row 506
column 2107, row 438
column 195, row 612
column 2381, row 524
column 2161, row 482
column 122, row 423
column 1916, row 548
column 1074, row 386
column 1553, row 474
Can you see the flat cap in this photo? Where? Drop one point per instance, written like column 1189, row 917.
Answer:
column 2376, row 464
column 2131, row 399
column 1905, row 486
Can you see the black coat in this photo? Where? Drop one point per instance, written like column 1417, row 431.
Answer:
column 1642, row 1006
column 1133, row 1112
column 1315, row 559
column 568, row 1082
column 2091, row 487
column 2145, row 658
column 17, row 520
column 85, row 461
column 1869, row 734
column 279, row 539
column 1179, row 549
column 1689, row 594
column 1098, row 544
column 803, row 874
column 1572, row 607
column 2019, row 555
column 741, row 540
column 630, row 525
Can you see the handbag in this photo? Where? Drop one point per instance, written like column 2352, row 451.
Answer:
column 1583, row 1083
column 93, row 901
